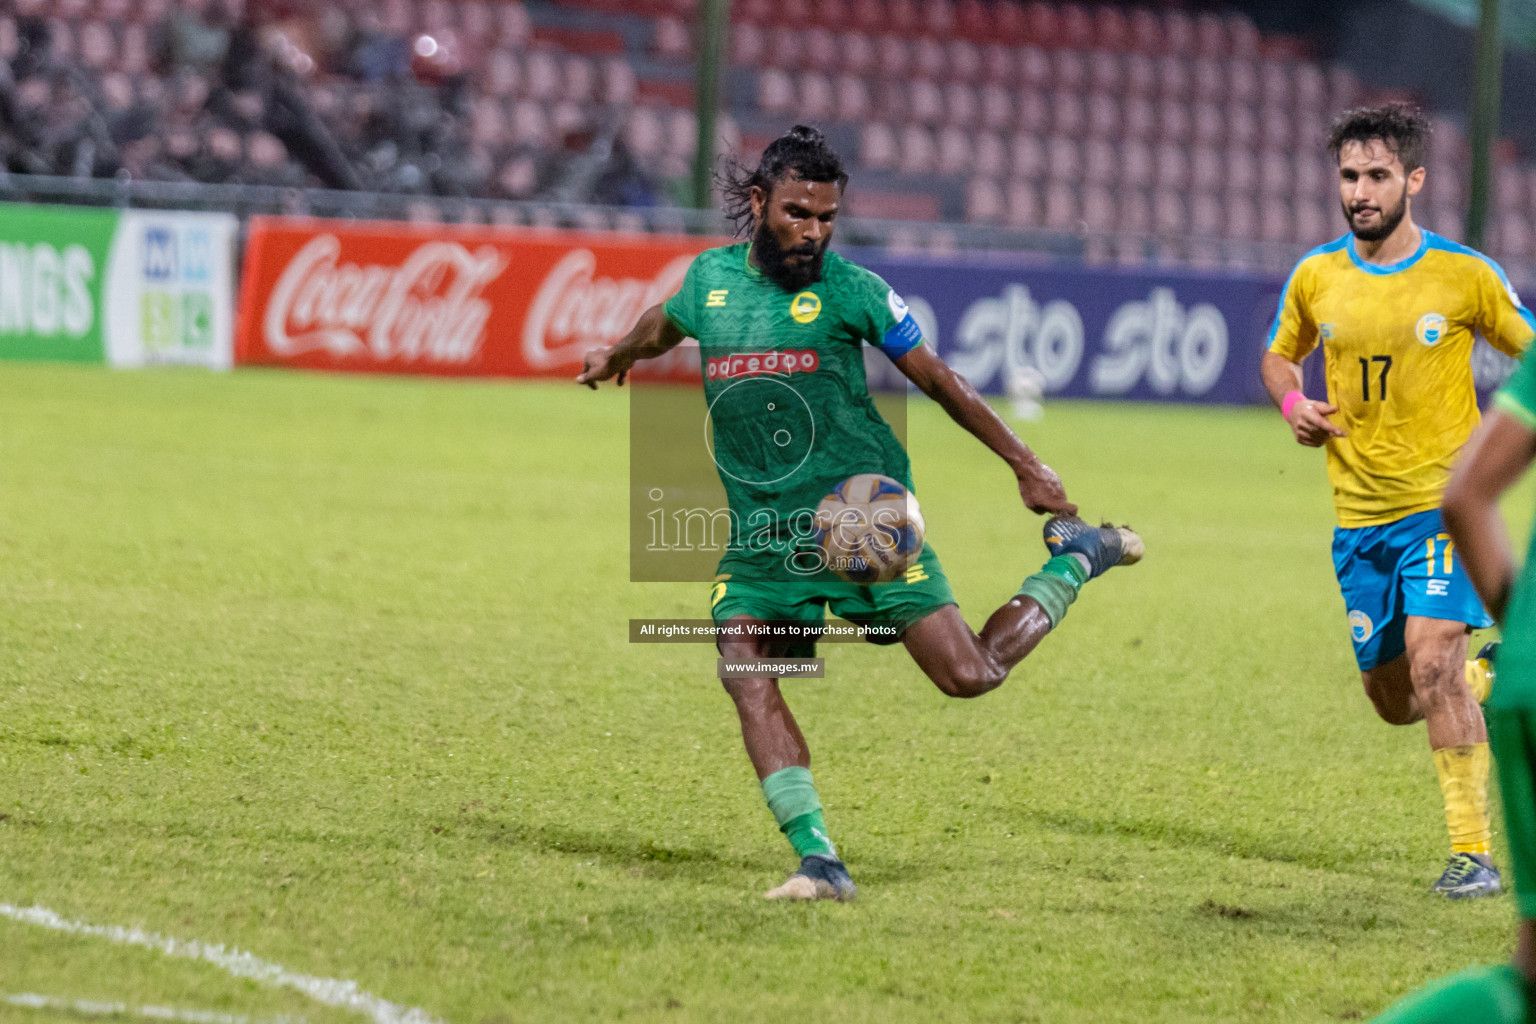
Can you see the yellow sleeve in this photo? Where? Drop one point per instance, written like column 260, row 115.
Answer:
column 1294, row 334
column 1501, row 319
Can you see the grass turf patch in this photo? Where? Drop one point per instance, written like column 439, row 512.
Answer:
column 335, row 670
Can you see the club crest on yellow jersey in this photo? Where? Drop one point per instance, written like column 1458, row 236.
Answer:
column 1430, row 329
column 805, row 307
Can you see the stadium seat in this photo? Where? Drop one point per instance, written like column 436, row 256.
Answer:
column 1068, row 116
column 1173, row 121
column 1313, row 224
column 1178, row 33
column 990, row 155
column 1069, row 72
column 786, row 50
column 1274, row 220
column 1208, row 127
column 1111, row 29
column 1241, row 220
column 775, row 92
column 1242, row 126
column 1138, row 119
column 1140, row 76
column 996, row 108
column 973, row 21
column 1064, row 161
column 1211, row 41
column 821, row 54
column 1171, row 167
column 530, row 125
column 997, row 64
column 916, row 153
column 955, row 155
column 1509, row 190
column 1240, row 169
column 877, row 147
column 672, row 38
column 960, row 105
column 1009, row 25
column 1100, row 164
column 1076, row 27
column 749, row 46
column 1242, row 82
column 1276, row 130
column 815, row 98
column 1042, row 26
column 964, row 60
column 892, row 59
column 929, row 60
column 1275, row 86
column 1023, row 205
column 853, row 102
column 1205, row 215
column 541, row 75
column 98, row 48
column 500, row 75
column 1276, row 176
column 925, row 102
column 1170, row 217
column 513, row 26
column 1106, row 71
column 1134, row 209
column 1137, row 165
column 902, row 16
column 1208, row 79
column 1243, row 35
column 1061, row 207
column 1031, row 113
column 619, row 83
column 1206, row 173
column 1146, row 31
column 1032, row 68
column 856, row 53
column 578, row 78
column 1103, row 116
column 1513, row 237
column 1026, row 157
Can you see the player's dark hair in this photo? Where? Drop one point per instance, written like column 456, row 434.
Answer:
column 802, row 152
column 1401, row 128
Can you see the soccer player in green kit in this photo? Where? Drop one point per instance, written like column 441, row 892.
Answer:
column 1495, row 458
column 781, row 324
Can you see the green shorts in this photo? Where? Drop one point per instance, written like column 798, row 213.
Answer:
column 1512, row 740
column 741, row 589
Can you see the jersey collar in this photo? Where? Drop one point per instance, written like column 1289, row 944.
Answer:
column 1387, row 268
column 746, row 261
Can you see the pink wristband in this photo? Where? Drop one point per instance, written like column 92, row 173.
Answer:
column 1289, row 402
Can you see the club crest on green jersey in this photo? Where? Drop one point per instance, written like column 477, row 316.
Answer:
column 805, row 307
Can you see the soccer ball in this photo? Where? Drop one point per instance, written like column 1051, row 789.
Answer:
column 869, row 529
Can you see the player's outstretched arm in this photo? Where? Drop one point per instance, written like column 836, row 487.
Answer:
column 653, row 334
column 1308, row 419
column 1494, row 459
column 1039, row 485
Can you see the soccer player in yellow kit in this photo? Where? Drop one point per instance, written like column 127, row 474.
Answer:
column 1395, row 309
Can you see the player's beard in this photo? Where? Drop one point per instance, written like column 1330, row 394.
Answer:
column 772, row 260
column 1385, row 224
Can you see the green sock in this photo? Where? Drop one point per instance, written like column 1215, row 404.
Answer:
column 1055, row 586
column 796, row 807
column 1488, row 995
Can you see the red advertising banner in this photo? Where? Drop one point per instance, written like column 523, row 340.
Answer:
column 434, row 299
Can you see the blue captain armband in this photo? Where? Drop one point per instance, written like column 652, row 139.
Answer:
column 905, row 335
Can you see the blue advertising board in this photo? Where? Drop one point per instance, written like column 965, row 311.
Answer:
column 1090, row 332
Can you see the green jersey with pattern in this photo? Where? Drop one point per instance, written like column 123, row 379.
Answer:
column 1515, row 687
column 789, row 409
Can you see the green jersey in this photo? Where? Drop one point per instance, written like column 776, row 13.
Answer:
column 789, row 409
column 1516, row 685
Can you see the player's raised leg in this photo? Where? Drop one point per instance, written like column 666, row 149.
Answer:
column 966, row 664
column 782, row 760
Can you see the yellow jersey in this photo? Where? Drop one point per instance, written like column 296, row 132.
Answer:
column 1397, row 347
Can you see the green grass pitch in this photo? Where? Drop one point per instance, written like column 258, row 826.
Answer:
column 334, row 670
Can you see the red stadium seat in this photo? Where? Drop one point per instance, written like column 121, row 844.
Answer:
column 513, row 26
column 916, row 154
column 964, row 60
column 834, row 15
column 1064, row 160
column 775, row 92
column 984, row 201
column 1173, row 75
column 1103, row 116
column 1061, row 207
column 903, row 16
column 1026, row 157
column 578, row 79
column 815, row 98
column 748, row 44
column 892, row 59
column 1315, row 174
column 1244, row 35
column 990, row 155
column 852, row 98
column 1106, row 71
column 996, row 108
column 997, row 64
column 877, row 147
column 1171, row 167
column 1032, row 113
column 1009, row 25
column 619, row 85
column 868, row 16
column 955, row 155
column 786, row 49
column 1173, row 121
column 1068, row 115
column 961, row 105
column 1076, row 26
column 1137, row 165
column 1042, row 27
column 1023, row 205
column 1111, row 29
column 1146, row 31
column 856, row 53
column 1211, row 37
column 672, row 38
column 1101, row 166
column 821, row 54
column 1178, row 33
column 938, row 18
column 973, row 21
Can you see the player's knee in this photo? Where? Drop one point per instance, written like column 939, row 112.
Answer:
column 971, row 678
column 1394, row 709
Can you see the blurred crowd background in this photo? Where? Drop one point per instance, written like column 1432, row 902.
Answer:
column 1153, row 132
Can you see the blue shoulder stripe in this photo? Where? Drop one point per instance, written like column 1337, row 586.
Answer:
column 1326, row 247
column 1441, row 242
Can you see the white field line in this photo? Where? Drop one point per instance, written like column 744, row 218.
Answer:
column 95, row 1008
column 330, row 991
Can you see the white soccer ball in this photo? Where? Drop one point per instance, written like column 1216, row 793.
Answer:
column 869, row 529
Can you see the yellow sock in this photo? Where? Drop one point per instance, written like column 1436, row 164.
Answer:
column 1479, row 679
column 1464, row 781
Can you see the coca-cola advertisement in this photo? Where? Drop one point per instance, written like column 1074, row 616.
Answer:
column 401, row 298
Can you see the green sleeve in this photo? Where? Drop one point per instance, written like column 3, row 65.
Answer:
column 880, row 316
column 1518, row 395
column 683, row 308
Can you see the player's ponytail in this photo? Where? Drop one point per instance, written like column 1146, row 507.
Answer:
column 801, row 152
